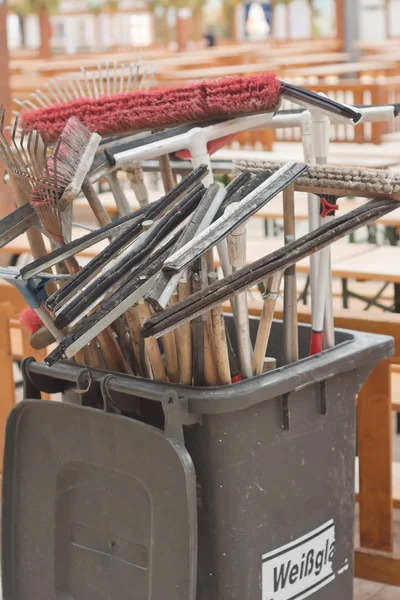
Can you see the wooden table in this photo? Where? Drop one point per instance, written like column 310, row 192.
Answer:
column 356, row 160
column 360, row 68
column 273, row 63
column 274, row 209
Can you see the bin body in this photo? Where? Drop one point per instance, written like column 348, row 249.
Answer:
column 261, row 487
column 274, row 461
column 276, row 505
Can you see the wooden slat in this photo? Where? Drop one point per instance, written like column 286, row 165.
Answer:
column 6, row 373
column 375, row 454
column 377, row 566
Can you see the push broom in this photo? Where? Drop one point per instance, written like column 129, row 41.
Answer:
column 203, row 301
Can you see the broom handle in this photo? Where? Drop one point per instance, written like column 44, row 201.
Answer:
column 94, row 202
column 210, row 368
column 167, row 175
column 171, row 351
column 197, row 326
column 290, row 333
column 271, row 296
column 121, row 200
column 237, row 256
column 221, row 349
column 152, row 349
column 220, row 341
column 135, row 176
column 183, row 337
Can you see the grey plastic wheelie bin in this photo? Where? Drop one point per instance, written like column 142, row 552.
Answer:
column 135, row 489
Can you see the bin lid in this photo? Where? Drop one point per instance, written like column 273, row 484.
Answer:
column 96, row 506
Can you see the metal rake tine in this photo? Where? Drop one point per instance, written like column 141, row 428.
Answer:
column 23, row 151
column 68, row 79
column 62, row 83
column 152, row 76
column 128, row 85
column 38, row 166
column 26, row 104
column 101, row 84
column 37, row 95
column 143, row 79
column 81, row 93
column 89, row 91
column 52, row 92
column 96, row 91
column 107, row 64
column 122, row 79
column 18, row 160
column 59, row 90
column 135, row 80
column 115, row 77
column 31, row 152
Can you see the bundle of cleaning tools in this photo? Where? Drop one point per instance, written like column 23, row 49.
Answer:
column 157, row 278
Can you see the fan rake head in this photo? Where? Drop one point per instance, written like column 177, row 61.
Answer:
column 108, row 78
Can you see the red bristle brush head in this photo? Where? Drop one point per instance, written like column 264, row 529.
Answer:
column 133, row 111
column 58, row 173
column 29, row 320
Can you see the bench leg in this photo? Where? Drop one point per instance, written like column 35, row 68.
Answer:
column 375, row 459
column 345, row 294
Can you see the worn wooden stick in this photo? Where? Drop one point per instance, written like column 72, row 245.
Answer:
column 183, row 336
column 220, row 343
column 270, row 297
column 290, row 333
column 152, row 349
column 210, row 364
column 167, row 175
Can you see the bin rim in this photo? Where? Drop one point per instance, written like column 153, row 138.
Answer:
column 361, row 350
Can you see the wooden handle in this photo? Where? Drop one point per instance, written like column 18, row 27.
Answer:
column 95, row 203
column 264, row 327
column 124, row 208
column 183, row 337
column 112, row 352
column 237, row 256
column 289, row 217
column 167, row 175
column 220, row 343
column 171, row 351
column 135, row 176
column 210, row 364
column 290, row 327
column 152, row 349
column 133, row 323
column 41, row 339
column 221, row 349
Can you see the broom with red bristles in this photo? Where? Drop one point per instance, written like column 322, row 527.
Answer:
column 218, row 98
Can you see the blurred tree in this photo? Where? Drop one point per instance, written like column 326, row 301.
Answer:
column 42, row 8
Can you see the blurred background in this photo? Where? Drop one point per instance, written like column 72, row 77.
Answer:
column 70, row 26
